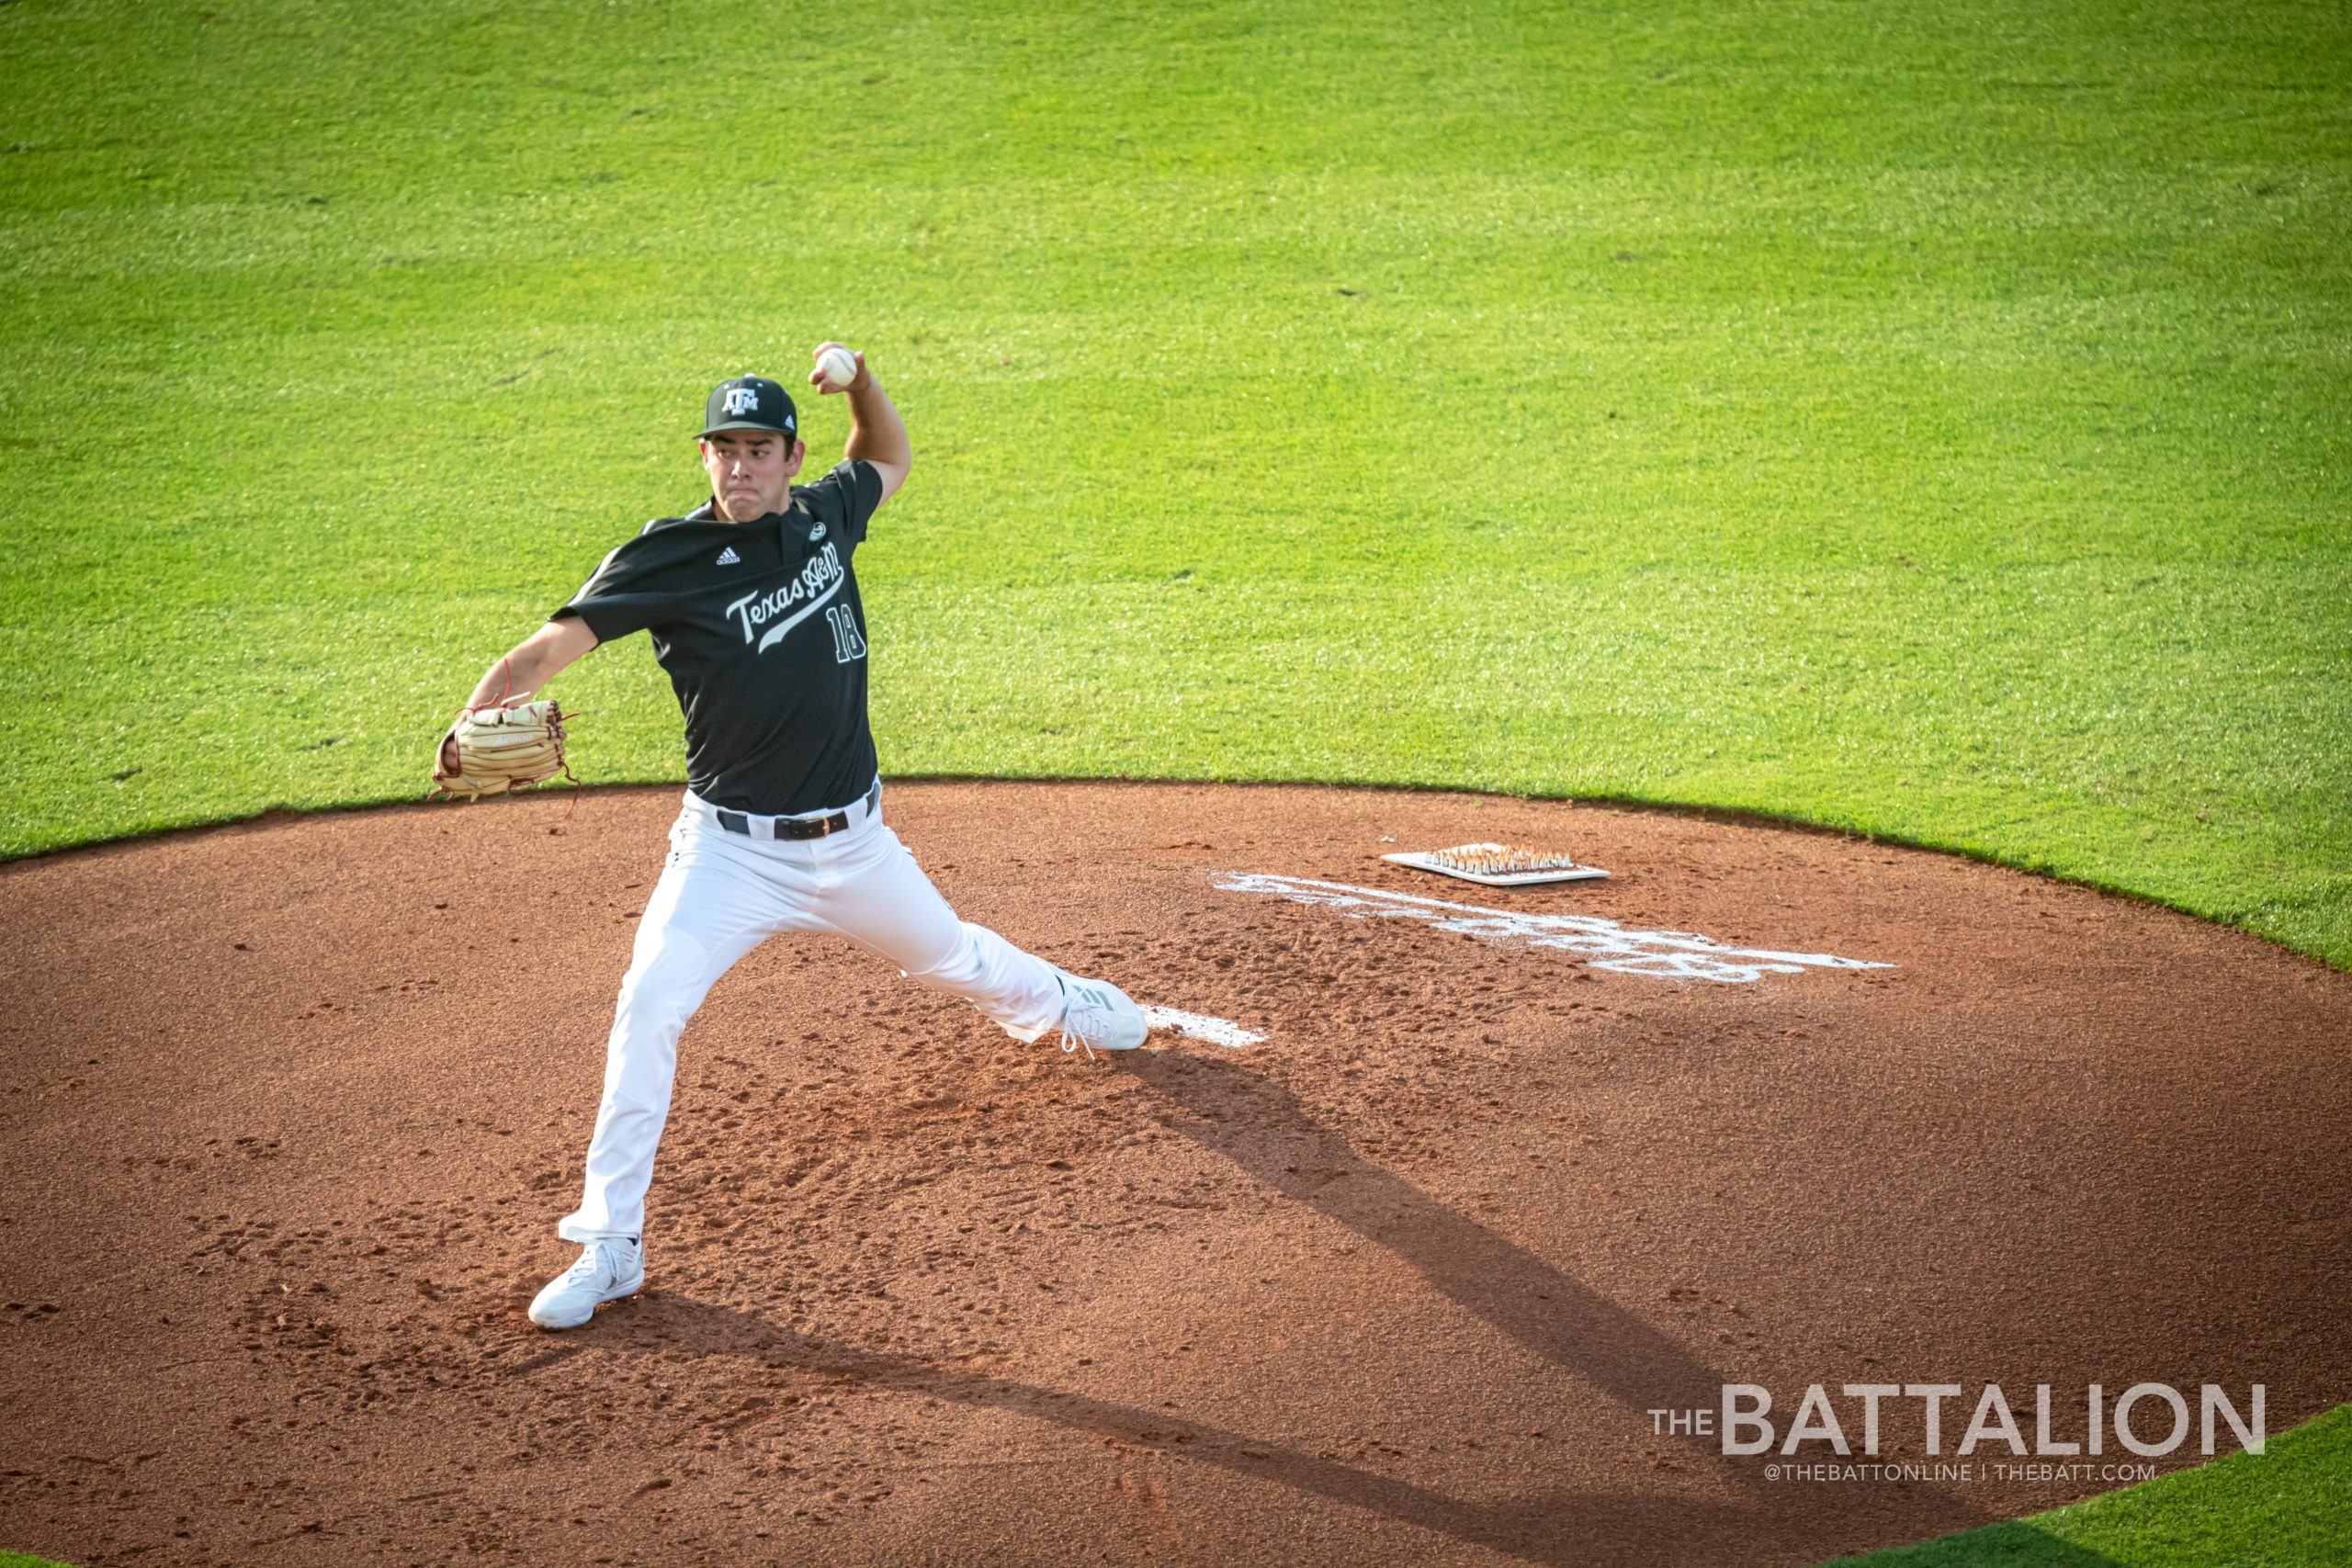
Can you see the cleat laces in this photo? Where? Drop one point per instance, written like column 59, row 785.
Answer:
column 598, row 1263
column 1074, row 1036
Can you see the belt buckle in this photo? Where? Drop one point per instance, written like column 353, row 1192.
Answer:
column 820, row 828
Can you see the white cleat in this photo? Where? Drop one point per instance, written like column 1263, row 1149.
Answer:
column 607, row 1270
column 1099, row 1016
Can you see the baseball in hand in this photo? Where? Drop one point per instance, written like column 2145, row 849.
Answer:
column 838, row 367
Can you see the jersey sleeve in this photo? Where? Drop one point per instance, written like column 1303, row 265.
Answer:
column 855, row 489
column 619, row 598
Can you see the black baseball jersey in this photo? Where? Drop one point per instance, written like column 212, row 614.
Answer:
column 759, row 628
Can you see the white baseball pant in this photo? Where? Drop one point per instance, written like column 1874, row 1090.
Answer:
column 723, row 894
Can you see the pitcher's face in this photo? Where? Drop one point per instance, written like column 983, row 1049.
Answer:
column 750, row 471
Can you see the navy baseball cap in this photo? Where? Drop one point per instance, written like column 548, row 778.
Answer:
column 751, row 402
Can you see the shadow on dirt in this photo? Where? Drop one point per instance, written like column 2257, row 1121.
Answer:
column 1261, row 1127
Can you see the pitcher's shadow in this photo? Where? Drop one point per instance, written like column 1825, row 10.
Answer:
column 1261, row 1126
column 1560, row 1528
column 1264, row 1129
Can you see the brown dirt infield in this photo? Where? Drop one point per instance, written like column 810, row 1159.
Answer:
column 290, row 1109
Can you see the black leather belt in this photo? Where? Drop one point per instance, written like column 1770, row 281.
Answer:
column 798, row 827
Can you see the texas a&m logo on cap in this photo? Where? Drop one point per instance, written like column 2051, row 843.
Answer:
column 749, row 402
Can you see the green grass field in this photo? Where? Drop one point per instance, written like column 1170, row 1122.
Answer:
column 2286, row 1508
column 1934, row 422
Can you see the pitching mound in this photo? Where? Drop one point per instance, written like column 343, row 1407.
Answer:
column 290, row 1110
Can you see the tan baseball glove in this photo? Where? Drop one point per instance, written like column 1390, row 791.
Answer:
column 496, row 749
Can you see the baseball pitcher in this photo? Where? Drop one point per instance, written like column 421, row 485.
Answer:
column 753, row 608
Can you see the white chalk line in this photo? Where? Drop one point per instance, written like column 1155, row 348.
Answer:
column 1201, row 1026
column 1604, row 944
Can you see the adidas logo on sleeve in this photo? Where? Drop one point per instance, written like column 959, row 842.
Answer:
column 728, row 557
